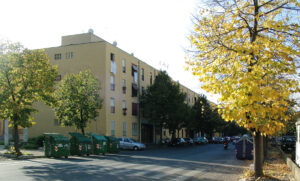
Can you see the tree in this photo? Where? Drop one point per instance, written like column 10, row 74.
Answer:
column 203, row 116
column 162, row 101
column 246, row 52
column 78, row 100
column 26, row 76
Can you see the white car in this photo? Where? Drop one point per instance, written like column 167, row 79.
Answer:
column 127, row 143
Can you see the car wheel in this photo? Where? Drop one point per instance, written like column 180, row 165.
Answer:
column 135, row 148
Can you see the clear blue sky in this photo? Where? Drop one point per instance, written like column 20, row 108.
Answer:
column 155, row 31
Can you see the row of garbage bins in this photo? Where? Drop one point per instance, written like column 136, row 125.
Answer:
column 57, row 145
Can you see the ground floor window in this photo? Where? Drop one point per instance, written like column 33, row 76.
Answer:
column 124, row 128
column 112, row 128
column 134, row 129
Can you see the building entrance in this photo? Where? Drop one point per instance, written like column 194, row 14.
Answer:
column 147, row 133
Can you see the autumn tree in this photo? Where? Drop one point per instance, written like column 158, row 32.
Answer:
column 78, row 100
column 246, row 51
column 26, row 76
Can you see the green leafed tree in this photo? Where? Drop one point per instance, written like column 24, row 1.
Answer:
column 161, row 103
column 202, row 116
column 26, row 76
column 247, row 52
column 78, row 100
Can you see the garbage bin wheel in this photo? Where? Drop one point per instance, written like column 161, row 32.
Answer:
column 103, row 154
column 87, row 154
column 66, row 156
column 135, row 148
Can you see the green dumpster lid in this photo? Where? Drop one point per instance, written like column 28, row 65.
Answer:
column 57, row 137
column 97, row 137
column 111, row 138
column 80, row 137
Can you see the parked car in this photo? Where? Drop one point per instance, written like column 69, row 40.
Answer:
column 128, row 143
column 189, row 141
column 166, row 141
column 177, row 142
column 200, row 140
column 218, row 140
column 288, row 143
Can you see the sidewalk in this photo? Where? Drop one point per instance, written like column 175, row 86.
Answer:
column 274, row 168
column 26, row 153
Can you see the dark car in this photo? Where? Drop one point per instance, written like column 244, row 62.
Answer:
column 189, row 141
column 177, row 142
column 288, row 143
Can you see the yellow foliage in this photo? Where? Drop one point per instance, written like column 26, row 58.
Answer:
column 249, row 58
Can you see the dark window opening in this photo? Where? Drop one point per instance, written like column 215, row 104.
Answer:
column 134, row 109
column 134, row 90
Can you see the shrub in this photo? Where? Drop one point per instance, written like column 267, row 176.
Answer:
column 30, row 146
column 37, row 140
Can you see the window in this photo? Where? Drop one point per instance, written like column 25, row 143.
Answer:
column 134, row 88
column 113, row 67
column 58, row 78
column 112, row 82
column 57, row 56
column 112, row 128
column 134, row 109
column 124, row 86
column 143, row 74
column 112, row 57
column 134, row 129
column 124, row 109
column 112, row 105
column 134, row 73
column 124, row 128
column 150, row 78
column 69, row 55
column 123, row 66
column 57, row 122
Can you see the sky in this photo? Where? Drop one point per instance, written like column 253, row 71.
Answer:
column 156, row 31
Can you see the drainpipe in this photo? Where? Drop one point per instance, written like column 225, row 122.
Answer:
column 139, row 107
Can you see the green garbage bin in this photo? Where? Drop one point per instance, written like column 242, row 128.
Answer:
column 99, row 143
column 113, row 144
column 80, row 144
column 56, row 145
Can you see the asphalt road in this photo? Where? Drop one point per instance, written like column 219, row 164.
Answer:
column 206, row 162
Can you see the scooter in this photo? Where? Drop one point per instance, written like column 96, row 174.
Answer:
column 225, row 145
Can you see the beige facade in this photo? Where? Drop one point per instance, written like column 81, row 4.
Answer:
column 120, row 75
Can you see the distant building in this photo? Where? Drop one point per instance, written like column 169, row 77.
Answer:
column 122, row 77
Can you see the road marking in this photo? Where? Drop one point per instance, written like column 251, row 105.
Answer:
column 165, row 173
column 188, row 174
column 141, row 170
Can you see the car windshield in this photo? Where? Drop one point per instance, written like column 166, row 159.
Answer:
column 131, row 140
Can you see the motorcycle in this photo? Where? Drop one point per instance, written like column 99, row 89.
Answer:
column 225, row 145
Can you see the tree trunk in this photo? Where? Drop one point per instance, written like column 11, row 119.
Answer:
column 82, row 131
column 265, row 147
column 16, row 140
column 258, row 155
column 161, row 133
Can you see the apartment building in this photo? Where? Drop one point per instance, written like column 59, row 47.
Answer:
column 123, row 78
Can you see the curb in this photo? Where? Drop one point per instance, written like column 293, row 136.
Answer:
column 22, row 157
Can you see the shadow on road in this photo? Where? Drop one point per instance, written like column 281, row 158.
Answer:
column 82, row 168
